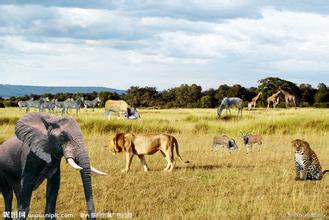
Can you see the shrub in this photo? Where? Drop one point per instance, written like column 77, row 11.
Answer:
column 200, row 128
column 321, row 105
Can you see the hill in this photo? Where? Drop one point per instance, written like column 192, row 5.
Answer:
column 7, row 90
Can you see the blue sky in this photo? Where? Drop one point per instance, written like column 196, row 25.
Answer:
column 164, row 43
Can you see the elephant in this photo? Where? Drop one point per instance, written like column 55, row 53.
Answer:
column 35, row 155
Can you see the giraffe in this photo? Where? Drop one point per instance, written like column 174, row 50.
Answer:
column 273, row 99
column 253, row 102
column 288, row 98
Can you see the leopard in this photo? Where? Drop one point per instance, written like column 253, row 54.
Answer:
column 307, row 164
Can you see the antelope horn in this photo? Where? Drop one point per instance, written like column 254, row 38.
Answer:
column 73, row 164
column 97, row 172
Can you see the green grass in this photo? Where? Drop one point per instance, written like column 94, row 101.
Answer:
column 216, row 185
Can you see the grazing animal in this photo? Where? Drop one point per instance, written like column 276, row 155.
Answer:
column 59, row 105
column 91, row 103
column 249, row 140
column 228, row 103
column 22, row 104
column 273, row 99
column 141, row 145
column 224, row 141
column 49, row 105
column 72, row 104
column 35, row 154
column 132, row 113
column 306, row 162
column 37, row 104
column 253, row 102
column 120, row 107
column 288, row 98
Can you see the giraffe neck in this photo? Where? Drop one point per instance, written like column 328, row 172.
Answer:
column 276, row 94
column 287, row 94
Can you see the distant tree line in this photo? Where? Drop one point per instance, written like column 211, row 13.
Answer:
column 192, row 96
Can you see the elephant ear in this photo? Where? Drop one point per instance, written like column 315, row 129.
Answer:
column 32, row 130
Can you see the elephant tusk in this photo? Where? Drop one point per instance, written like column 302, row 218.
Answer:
column 73, row 164
column 97, row 172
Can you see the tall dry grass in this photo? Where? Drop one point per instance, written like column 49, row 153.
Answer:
column 216, row 185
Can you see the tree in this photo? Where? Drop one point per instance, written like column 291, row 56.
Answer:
column 188, row 96
column 307, row 93
column 213, row 101
column 222, row 92
column 141, row 97
column 206, row 101
column 322, row 94
column 270, row 85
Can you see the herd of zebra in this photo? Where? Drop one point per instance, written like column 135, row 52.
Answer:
column 43, row 104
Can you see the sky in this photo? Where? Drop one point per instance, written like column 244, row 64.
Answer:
column 164, row 43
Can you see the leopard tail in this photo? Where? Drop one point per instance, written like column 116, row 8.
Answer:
column 325, row 171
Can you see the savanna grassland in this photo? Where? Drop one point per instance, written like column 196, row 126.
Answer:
column 215, row 184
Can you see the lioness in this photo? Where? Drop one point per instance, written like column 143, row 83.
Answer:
column 145, row 144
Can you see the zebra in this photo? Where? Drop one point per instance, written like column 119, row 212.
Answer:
column 70, row 103
column 49, row 105
column 229, row 102
column 91, row 103
column 37, row 104
column 22, row 104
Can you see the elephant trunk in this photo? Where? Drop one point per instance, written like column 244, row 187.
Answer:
column 83, row 161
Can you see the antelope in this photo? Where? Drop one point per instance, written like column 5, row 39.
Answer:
column 224, row 141
column 250, row 139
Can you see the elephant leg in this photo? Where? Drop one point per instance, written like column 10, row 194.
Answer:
column 27, row 185
column 8, row 197
column 33, row 167
column 53, row 183
column 143, row 162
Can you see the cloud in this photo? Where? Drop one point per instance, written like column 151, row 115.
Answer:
column 154, row 42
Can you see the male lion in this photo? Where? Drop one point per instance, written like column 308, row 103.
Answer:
column 145, row 144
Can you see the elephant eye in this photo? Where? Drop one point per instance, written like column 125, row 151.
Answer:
column 63, row 137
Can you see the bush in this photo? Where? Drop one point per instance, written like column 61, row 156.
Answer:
column 321, row 105
column 9, row 103
column 122, row 126
column 200, row 128
column 304, row 104
column 2, row 105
